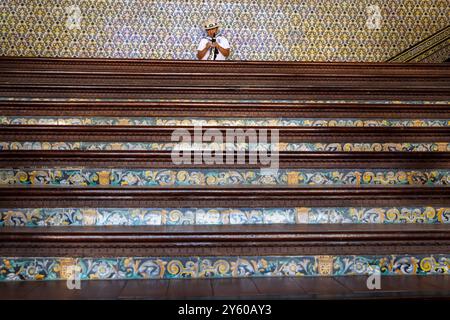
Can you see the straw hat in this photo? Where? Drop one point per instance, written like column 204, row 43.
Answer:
column 211, row 23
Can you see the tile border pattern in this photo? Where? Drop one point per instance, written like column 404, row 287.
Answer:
column 57, row 268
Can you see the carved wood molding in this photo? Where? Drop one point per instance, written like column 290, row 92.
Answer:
column 226, row 240
column 437, row 92
column 163, row 133
column 163, row 159
column 96, row 78
column 174, row 197
column 224, row 109
column 125, row 65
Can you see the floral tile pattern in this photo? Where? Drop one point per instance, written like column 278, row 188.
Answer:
column 290, row 31
column 231, row 122
column 163, row 146
column 219, row 177
column 55, row 268
column 38, row 217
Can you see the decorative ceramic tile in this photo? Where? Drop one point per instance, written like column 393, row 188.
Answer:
column 101, row 269
column 54, row 268
column 12, row 269
column 343, row 265
column 297, row 266
column 38, row 145
column 219, row 177
column 210, row 267
column 225, row 122
column 34, row 217
column 310, row 30
column 156, row 146
column 367, row 147
column 434, row 49
column 145, row 268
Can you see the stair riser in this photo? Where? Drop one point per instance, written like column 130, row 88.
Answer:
column 199, row 177
column 231, row 122
column 33, row 217
column 309, row 147
column 56, row 268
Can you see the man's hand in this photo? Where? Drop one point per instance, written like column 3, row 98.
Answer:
column 209, row 45
column 224, row 52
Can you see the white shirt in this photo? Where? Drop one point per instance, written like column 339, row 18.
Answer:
column 222, row 41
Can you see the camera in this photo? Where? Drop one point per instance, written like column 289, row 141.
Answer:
column 216, row 51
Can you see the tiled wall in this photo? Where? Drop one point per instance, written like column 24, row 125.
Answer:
column 305, row 30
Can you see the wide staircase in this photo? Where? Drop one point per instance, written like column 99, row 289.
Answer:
column 89, row 185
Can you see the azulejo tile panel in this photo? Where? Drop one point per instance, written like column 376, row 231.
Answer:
column 227, row 122
column 310, row 30
column 35, row 217
column 219, row 177
column 56, row 268
column 168, row 146
column 434, row 49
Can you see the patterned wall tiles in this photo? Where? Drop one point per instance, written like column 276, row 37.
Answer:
column 168, row 146
column 217, row 177
column 367, row 147
column 310, row 30
column 226, row 122
column 54, row 268
column 34, row 217
column 433, row 49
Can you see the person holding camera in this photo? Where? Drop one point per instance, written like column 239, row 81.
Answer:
column 214, row 46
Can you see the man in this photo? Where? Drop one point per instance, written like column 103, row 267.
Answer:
column 213, row 47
